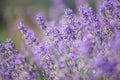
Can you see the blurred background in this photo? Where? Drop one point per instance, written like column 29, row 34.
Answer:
column 13, row 10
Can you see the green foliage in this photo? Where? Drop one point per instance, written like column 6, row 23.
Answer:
column 38, row 78
column 102, row 78
column 3, row 35
column 93, row 4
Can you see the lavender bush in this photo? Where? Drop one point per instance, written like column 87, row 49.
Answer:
column 75, row 46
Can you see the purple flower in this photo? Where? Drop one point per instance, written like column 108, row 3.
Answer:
column 108, row 68
column 41, row 21
column 12, row 65
column 76, row 46
column 69, row 13
column 28, row 35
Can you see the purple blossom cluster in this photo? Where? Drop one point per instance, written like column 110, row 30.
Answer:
column 77, row 46
column 13, row 66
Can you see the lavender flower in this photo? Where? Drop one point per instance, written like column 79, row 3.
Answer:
column 82, row 46
column 40, row 21
column 28, row 35
column 69, row 13
column 107, row 67
column 63, row 55
column 12, row 65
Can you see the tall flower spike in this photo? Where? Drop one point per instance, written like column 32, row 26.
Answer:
column 41, row 21
column 69, row 13
column 110, row 12
column 29, row 35
column 40, row 56
column 90, row 20
column 69, row 16
column 86, row 13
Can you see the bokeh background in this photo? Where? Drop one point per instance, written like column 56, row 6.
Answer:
column 13, row 10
